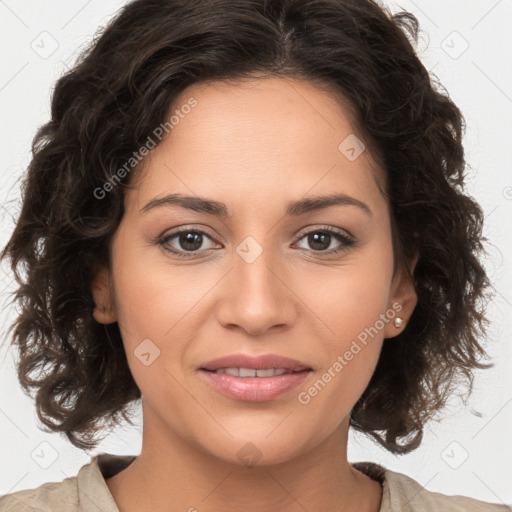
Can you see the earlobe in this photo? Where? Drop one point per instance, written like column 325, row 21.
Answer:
column 403, row 300
column 104, row 311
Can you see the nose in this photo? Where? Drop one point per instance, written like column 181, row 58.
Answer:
column 257, row 296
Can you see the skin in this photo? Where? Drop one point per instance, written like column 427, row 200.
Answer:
column 254, row 145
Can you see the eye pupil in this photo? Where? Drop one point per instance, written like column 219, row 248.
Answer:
column 194, row 239
column 319, row 238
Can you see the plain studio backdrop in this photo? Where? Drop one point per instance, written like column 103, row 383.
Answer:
column 467, row 45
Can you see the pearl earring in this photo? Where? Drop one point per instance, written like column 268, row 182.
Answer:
column 398, row 322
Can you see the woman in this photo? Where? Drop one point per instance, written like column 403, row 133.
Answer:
column 251, row 215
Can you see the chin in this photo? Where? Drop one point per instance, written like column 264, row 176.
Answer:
column 257, row 450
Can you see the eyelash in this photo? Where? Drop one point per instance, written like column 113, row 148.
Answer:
column 345, row 240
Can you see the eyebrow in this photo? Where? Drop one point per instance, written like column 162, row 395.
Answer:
column 294, row 209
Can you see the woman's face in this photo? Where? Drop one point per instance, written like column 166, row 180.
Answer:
column 265, row 278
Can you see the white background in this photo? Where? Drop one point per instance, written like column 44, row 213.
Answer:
column 478, row 78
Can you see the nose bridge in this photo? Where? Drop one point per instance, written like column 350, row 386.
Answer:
column 256, row 299
column 257, row 276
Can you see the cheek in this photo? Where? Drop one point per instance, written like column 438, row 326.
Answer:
column 352, row 297
column 353, row 312
column 154, row 302
column 154, row 310
column 356, row 303
column 352, row 308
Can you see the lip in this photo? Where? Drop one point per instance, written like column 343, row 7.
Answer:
column 263, row 362
column 254, row 389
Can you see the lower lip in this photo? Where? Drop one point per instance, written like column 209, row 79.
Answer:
column 254, row 389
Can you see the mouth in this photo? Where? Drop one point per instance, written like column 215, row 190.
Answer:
column 254, row 379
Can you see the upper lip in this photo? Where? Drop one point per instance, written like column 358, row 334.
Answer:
column 262, row 362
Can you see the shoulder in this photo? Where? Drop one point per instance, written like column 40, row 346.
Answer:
column 85, row 492
column 401, row 493
column 49, row 496
column 406, row 494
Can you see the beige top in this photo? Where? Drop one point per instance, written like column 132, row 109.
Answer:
column 88, row 492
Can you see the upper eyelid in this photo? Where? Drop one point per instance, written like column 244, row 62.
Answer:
column 329, row 229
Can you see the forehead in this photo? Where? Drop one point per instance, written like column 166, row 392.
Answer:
column 259, row 137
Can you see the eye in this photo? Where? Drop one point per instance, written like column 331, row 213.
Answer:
column 185, row 240
column 188, row 242
column 321, row 240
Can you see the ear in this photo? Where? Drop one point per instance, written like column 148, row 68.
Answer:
column 403, row 298
column 104, row 311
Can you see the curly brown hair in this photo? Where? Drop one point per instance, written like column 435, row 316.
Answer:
column 122, row 87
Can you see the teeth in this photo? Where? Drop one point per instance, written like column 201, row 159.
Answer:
column 251, row 372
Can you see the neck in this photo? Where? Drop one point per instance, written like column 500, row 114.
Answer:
column 172, row 472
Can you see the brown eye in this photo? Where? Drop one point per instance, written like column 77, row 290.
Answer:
column 322, row 240
column 185, row 241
